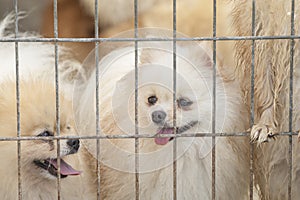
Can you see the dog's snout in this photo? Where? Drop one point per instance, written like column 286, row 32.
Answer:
column 74, row 144
column 158, row 116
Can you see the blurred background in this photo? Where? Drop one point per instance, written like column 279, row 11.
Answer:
column 34, row 9
column 76, row 19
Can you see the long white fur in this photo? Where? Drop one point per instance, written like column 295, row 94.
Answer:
column 194, row 170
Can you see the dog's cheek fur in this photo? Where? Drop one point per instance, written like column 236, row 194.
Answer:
column 39, row 149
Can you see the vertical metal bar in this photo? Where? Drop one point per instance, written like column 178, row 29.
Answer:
column 18, row 101
column 96, row 25
column 213, row 186
column 57, row 103
column 252, row 98
column 174, row 101
column 292, row 45
column 137, row 184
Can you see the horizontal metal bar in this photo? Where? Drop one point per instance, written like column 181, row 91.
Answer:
column 280, row 37
column 239, row 134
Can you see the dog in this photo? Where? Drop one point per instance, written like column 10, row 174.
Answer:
column 271, row 91
column 38, row 161
column 156, row 126
column 38, row 157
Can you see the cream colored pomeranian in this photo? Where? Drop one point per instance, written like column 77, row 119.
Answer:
column 38, row 157
column 155, row 149
column 272, row 62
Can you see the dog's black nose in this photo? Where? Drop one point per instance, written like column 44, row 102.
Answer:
column 74, row 144
column 158, row 117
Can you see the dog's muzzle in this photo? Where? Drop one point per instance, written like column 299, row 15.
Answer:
column 51, row 164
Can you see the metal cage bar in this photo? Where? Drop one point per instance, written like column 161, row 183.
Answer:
column 229, row 38
column 291, row 106
column 213, row 112
column 57, row 98
column 174, row 24
column 136, row 95
column 252, row 98
column 18, row 100
column 118, row 136
column 97, row 81
column 253, row 38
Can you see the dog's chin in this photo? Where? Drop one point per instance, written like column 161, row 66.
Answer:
column 49, row 168
column 166, row 129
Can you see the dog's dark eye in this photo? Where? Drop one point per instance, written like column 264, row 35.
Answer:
column 45, row 134
column 152, row 100
column 182, row 102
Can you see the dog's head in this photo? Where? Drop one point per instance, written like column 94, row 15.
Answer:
column 156, row 107
column 160, row 110
column 37, row 118
column 144, row 101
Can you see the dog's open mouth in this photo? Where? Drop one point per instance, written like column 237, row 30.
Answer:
column 51, row 166
column 170, row 130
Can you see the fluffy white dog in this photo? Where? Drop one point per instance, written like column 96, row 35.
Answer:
column 155, row 117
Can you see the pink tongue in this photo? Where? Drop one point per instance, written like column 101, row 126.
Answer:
column 65, row 168
column 163, row 140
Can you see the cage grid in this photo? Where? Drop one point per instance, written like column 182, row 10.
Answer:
column 292, row 37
